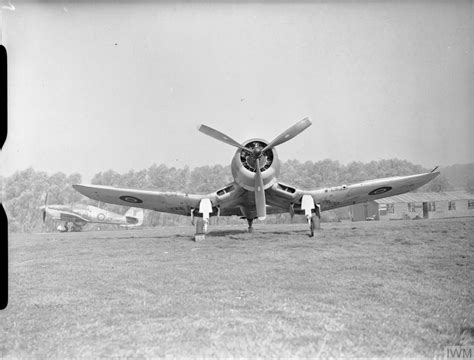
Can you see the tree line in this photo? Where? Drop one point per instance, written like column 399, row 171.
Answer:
column 24, row 192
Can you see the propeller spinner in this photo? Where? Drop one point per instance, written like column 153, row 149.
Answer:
column 256, row 155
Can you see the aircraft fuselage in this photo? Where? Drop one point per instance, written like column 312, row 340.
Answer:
column 87, row 212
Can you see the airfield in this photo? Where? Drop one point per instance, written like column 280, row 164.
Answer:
column 365, row 289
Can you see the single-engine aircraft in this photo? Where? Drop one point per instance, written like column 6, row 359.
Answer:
column 255, row 191
column 79, row 215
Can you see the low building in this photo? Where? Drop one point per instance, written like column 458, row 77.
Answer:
column 416, row 206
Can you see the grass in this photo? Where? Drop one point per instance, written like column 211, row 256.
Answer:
column 369, row 289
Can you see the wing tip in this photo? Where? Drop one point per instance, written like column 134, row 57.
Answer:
column 435, row 169
column 79, row 187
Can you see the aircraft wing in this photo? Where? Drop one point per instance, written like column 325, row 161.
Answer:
column 168, row 202
column 343, row 195
column 71, row 217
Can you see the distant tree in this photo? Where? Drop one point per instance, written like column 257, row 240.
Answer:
column 291, row 171
column 178, row 179
column 438, row 184
column 135, row 179
column 109, row 177
column 71, row 196
column 470, row 185
column 355, row 172
column 459, row 175
column 23, row 192
column 206, row 179
column 158, row 177
column 57, row 183
column 330, row 170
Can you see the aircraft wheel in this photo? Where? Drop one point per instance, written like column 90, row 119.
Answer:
column 75, row 228
column 250, row 222
column 200, row 226
column 200, row 230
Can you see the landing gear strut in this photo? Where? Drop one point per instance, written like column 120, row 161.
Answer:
column 250, row 222
column 201, row 228
column 314, row 221
column 312, row 225
column 75, row 228
column 205, row 208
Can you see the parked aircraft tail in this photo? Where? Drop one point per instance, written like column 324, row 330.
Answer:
column 134, row 217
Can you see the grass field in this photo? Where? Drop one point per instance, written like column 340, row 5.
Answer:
column 368, row 289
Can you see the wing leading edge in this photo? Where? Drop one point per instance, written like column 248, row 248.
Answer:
column 280, row 198
column 169, row 202
column 72, row 217
column 343, row 195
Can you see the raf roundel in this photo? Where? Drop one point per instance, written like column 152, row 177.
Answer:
column 100, row 217
column 380, row 190
column 131, row 199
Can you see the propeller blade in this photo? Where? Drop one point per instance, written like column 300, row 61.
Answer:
column 45, row 206
column 289, row 133
column 260, row 202
column 220, row 136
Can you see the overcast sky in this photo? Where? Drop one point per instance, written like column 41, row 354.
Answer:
column 110, row 86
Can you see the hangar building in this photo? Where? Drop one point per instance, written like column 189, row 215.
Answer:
column 430, row 205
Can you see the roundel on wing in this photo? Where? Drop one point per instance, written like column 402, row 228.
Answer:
column 100, row 217
column 131, row 199
column 380, row 190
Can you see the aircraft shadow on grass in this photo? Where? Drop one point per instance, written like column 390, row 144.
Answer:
column 223, row 233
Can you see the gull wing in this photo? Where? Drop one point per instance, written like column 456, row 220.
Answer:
column 338, row 196
column 168, row 202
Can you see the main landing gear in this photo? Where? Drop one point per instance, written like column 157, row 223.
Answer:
column 69, row 227
column 201, row 229
column 314, row 221
column 250, row 222
column 205, row 208
column 63, row 227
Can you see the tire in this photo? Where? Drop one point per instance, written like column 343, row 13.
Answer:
column 200, row 226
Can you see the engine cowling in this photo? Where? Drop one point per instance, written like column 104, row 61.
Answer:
column 244, row 164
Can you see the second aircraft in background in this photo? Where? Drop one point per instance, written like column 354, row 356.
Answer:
column 74, row 217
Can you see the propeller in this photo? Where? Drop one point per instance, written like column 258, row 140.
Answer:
column 288, row 134
column 45, row 207
column 220, row 136
column 260, row 202
column 256, row 154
